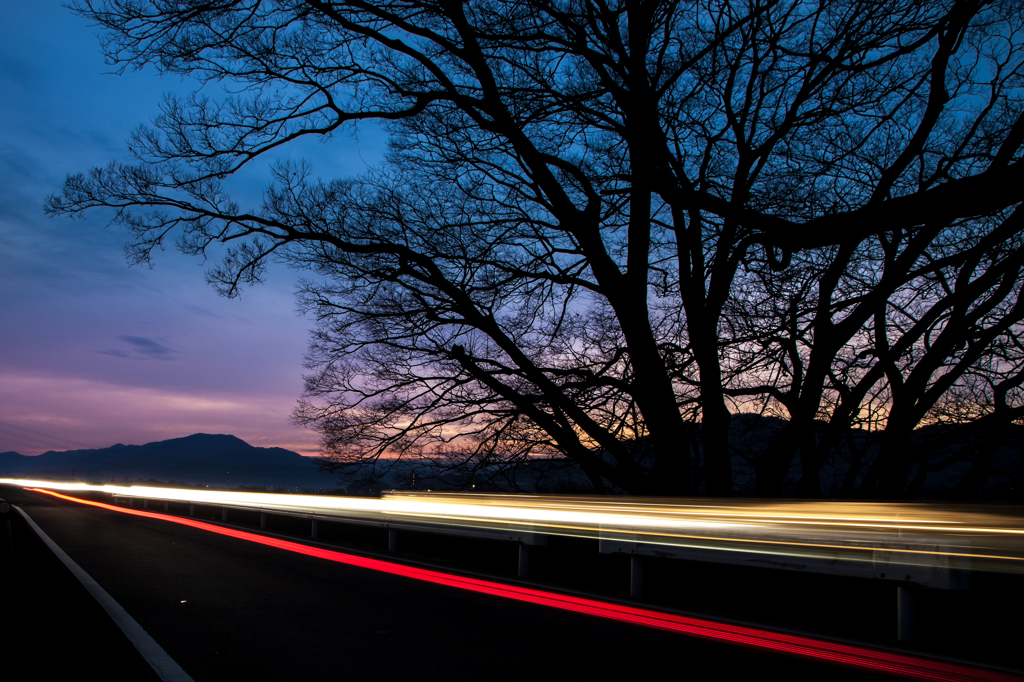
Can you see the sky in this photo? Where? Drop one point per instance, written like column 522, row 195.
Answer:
column 91, row 350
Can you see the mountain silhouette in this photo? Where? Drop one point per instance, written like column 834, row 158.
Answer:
column 215, row 460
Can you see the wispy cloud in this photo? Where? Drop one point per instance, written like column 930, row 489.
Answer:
column 206, row 312
column 104, row 413
column 141, row 348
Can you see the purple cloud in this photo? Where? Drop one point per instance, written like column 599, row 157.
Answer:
column 141, row 348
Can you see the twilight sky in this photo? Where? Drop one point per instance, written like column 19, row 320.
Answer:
column 90, row 349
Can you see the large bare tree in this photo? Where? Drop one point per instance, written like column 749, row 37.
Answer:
column 592, row 214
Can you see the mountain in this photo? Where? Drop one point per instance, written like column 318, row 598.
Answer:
column 222, row 461
column 952, row 450
column 200, row 459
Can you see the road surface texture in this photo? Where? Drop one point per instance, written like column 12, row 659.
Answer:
column 52, row 627
column 229, row 609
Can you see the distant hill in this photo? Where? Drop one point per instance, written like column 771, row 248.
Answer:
column 223, row 461
column 200, row 459
column 953, row 444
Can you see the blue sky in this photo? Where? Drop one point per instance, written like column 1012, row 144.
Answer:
column 90, row 349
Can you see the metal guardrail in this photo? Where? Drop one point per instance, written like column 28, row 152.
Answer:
column 945, row 566
column 524, row 538
column 510, row 534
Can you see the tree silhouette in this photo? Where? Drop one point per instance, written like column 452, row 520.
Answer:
column 603, row 228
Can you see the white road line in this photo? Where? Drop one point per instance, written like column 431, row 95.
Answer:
column 164, row 666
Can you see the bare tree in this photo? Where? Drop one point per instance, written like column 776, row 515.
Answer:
column 576, row 196
column 896, row 333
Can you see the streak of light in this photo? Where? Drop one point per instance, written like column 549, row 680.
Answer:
column 941, row 537
column 883, row 661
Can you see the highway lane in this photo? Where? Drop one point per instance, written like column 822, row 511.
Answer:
column 43, row 607
column 229, row 609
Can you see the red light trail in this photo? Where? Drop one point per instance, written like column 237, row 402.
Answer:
column 883, row 661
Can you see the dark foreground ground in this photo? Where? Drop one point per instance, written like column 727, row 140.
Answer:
column 52, row 628
column 226, row 609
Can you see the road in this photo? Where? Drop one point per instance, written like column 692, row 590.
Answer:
column 229, row 609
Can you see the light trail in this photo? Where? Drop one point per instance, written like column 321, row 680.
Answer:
column 943, row 537
column 882, row 661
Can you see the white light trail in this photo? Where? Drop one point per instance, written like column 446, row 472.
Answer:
column 908, row 533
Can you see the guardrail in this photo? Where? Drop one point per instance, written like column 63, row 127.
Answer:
column 913, row 545
column 358, row 514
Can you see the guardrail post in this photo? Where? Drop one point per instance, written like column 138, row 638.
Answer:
column 636, row 576
column 131, row 501
column 145, row 504
column 524, row 559
column 905, row 613
column 224, row 514
column 392, row 539
column 263, row 520
column 191, row 510
column 167, row 506
column 315, row 530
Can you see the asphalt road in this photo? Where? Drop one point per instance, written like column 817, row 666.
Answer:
column 228, row 609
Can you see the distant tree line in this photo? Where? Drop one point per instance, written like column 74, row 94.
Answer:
column 603, row 229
